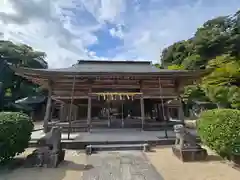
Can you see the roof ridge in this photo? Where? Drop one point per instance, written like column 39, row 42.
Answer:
column 112, row 62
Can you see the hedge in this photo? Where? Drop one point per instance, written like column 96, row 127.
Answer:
column 15, row 133
column 219, row 129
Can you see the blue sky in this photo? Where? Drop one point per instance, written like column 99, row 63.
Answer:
column 68, row 30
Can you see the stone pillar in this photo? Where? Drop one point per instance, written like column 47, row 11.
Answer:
column 89, row 114
column 47, row 116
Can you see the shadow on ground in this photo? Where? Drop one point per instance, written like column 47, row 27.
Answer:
column 65, row 170
column 69, row 165
column 212, row 157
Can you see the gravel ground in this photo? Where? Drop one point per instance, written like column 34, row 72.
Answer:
column 172, row 168
column 131, row 165
column 71, row 169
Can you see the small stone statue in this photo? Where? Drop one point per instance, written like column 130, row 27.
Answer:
column 184, row 139
column 186, row 147
column 50, row 152
column 52, row 139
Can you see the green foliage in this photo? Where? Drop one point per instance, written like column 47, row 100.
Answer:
column 194, row 92
column 219, row 129
column 176, row 67
column 216, row 47
column 222, row 85
column 22, row 55
column 234, row 96
column 18, row 55
column 15, row 132
column 158, row 66
column 218, row 95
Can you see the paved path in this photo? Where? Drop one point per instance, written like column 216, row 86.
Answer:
column 120, row 166
column 103, row 135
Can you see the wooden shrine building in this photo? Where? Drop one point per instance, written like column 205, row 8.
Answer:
column 117, row 94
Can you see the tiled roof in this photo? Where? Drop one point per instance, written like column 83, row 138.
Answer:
column 112, row 66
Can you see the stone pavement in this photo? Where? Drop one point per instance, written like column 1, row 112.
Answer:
column 102, row 135
column 131, row 165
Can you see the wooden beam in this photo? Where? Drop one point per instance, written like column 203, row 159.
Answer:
column 67, row 97
column 83, row 92
column 118, row 82
column 112, row 86
column 96, row 86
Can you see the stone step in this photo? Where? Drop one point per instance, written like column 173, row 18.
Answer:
column 116, row 147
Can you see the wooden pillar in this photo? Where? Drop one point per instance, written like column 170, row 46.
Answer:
column 180, row 111
column 48, row 107
column 178, row 87
column 61, row 113
column 122, row 115
column 52, row 111
column 142, row 107
column 89, row 114
column 142, row 111
column 158, row 112
column 167, row 113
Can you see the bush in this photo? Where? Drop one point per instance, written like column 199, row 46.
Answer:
column 219, row 129
column 15, row 132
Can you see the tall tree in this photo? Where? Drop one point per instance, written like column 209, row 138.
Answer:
column 18, row 55
column 216, row 47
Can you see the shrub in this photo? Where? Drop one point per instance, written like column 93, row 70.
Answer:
column 219, row 129
column 15, row 132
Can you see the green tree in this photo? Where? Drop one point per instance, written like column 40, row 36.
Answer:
column 158, row 66
column 194, row 92
column 18, row 55
column 222, row 85
column 176, row 67
column 22, row 55
column 216, row 47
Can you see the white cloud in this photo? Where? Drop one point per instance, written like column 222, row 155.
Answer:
column 117, row 31
column 151, row 30
column 43, row 25
column 105, row 10
column 65, row 29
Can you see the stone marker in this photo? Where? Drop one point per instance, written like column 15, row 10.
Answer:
column 186, row 147
column 146, row 147
column 88, row 150
column 49, row 153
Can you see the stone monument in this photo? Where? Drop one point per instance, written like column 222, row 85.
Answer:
column 186, row 147
column 49, row 153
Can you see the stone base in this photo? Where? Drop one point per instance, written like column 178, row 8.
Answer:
column 48, row 159
column 188, row 154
